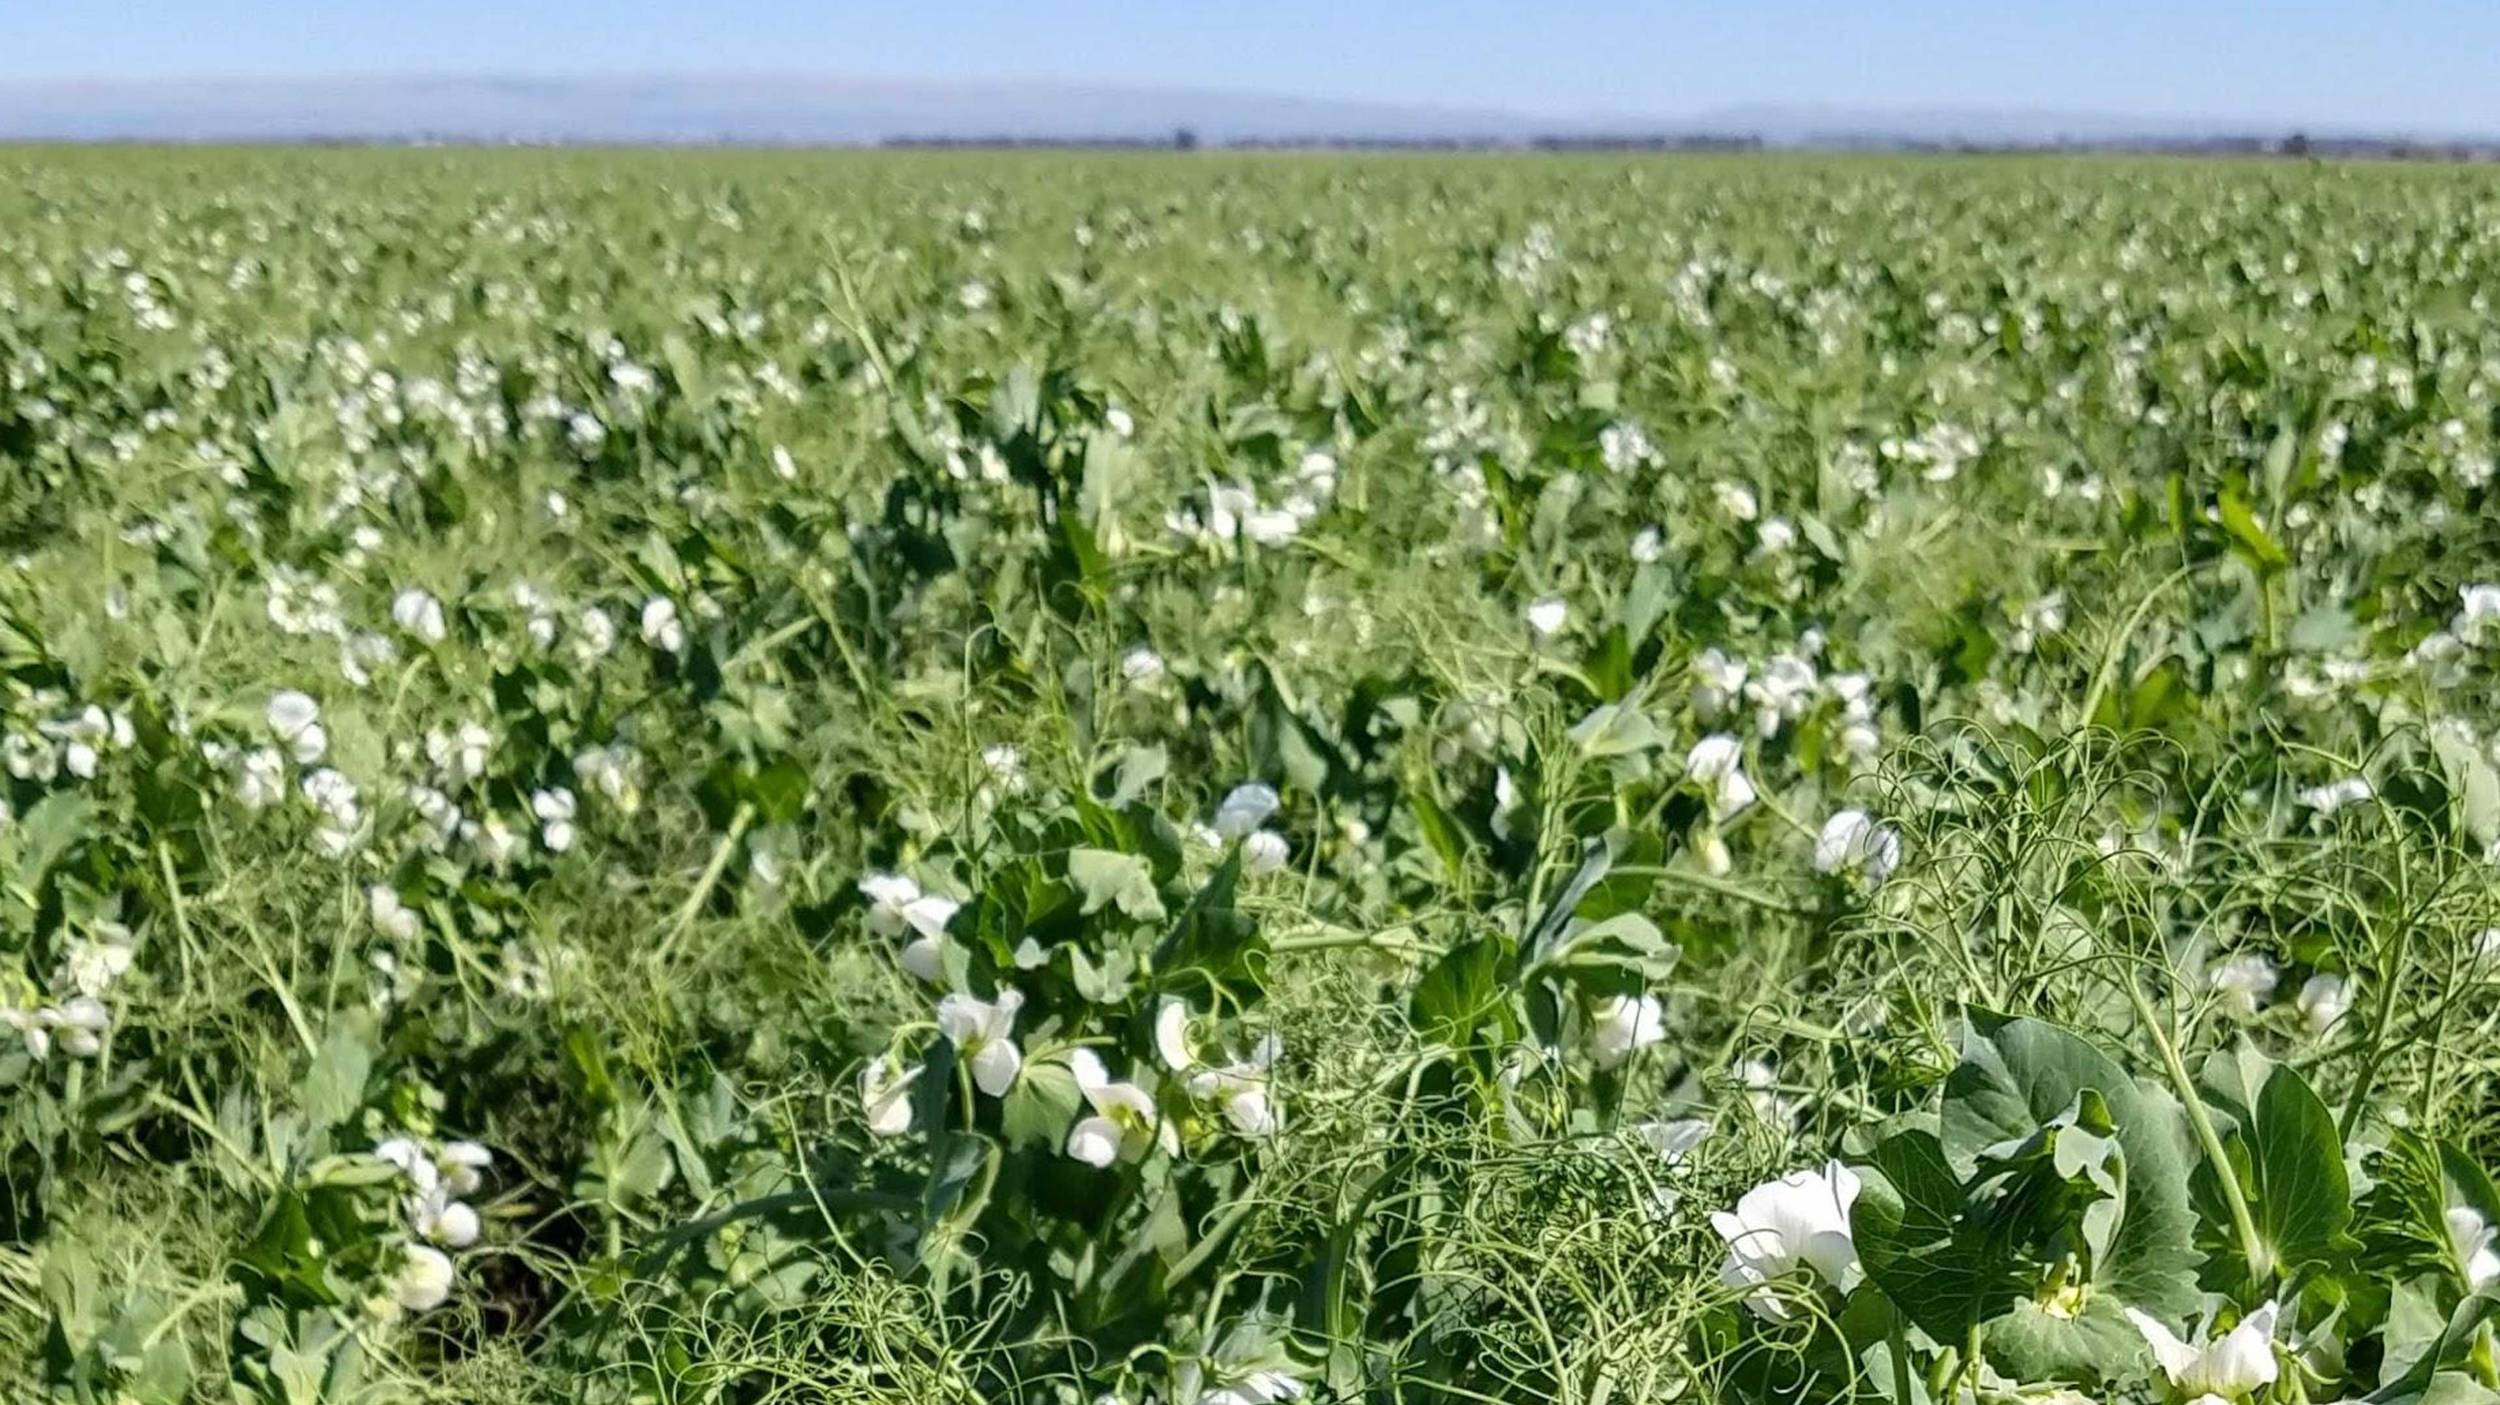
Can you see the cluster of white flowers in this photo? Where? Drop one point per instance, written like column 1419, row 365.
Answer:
column 2037, row 619
column 1239, row 1088
column 71, row 1015
column 2476, row 624
column 73, row 743
column 897, row 905
column 1623, row 446
column 1938, row 452
column 259, row 772
column 1717, row 764
column 1782, row 689
column 1238, row 819
column 1233, row 512
column 437, row 1219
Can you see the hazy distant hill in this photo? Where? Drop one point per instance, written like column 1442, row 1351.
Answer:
column 820, row 110
column 704, row 109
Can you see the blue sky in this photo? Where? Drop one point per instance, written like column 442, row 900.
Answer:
column 2422, row 65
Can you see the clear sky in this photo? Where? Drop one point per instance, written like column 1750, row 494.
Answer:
column 2419, row 65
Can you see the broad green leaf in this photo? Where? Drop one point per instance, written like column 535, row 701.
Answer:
column 335, row 1086
column 1041, row 1106
column 2017, row 1075
column 1107, row 879
column 1942, row 1275
column 2297, row 1188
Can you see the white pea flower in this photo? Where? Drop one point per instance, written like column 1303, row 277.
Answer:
column 2335, row 795
column 391, row 916
column 661, row 629
column 33, row 1029
column 1264, row 852
column 419, row 614
column 434, row 1215
column 1005, row 762
column 461, row 754
column 1718, row 681
column 90, row 967
column 1244, row 809
column 437, row 811
column 1506, row 803
column 497, row 842
column 614, row 773
column 2323, row 1000
column 1142, row 667
column 785, row 467
column 2230, row 1367
column 1119, row 422
column 983, row 1033
column 1172, row 1034
column 1240, row 1089
column 29, row 758
column 1257, row 1388
column 424, row 1281
column 1713, row 856
column 463, row 1164
column 296, row 718
column 1717, row 762
column 1800, row 1220
column 1851, row 839
column 1623, row 1025
column 1736, row 500
column 885, row 1095
column 2244, row 982
column 260, row 778
column 594, row 634
column 2477, row 607
column 78, row 1026
column 1548, row 616
column 896, row 905
column 555, row 809
column 1125, row 1125
column 2471, row 1239
column 1648, row 545
column 334, row 799
column 361, row 654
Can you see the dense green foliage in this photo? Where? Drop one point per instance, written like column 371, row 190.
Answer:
column 708, row 778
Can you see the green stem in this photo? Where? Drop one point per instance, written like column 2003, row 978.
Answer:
column 712, row 871
column 2252, row 1245
column 2118, row 642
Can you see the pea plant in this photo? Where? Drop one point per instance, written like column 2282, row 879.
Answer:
column 643, row 778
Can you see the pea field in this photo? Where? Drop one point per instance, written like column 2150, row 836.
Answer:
column 706, row 778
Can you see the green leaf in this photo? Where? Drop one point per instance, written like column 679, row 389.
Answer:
column 1107, row 878
column 2017, row 1075
column 335, row 1087
column 2419, row 1385
column 2472, row 781
column 1616, row 729
column 1039, row 1108
column 48, row 830
column 2295, row 1180
column 1940, row 1273
column 1140, row 767
column 1626, row 942
column 1461, row 991
column 2249, row 536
